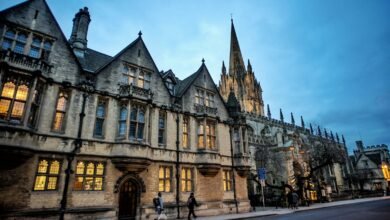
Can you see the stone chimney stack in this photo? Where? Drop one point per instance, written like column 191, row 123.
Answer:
column 78, row 38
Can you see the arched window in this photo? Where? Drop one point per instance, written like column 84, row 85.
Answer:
column 61, row 108
column 13, row 98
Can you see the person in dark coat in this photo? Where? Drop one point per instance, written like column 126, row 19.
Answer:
column 295, row 199
column 191, row 203
column 290, row 199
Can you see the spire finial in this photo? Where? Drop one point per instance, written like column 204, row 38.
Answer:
column 203, row 60
column 268, row 112
column 231, row 17
column 281, row 116
column 292, row 119
column 139, row 33
column 302, row 122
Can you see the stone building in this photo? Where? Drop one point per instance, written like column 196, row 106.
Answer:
column 87, row 135
column 372, row 166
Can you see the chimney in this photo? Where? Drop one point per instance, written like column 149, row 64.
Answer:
column 78, row 38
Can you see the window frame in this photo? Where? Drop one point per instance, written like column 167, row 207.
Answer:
column 17, row 80
column 185, row 132
column 104, row 102
column 134, row 75
column 186, row 179
column 227, row 180
column 67, row 95
column 165, row 179
column 137, row 122
column 208, row 134
column 123, row 121
column 161, row 133
column 85, row 175
column 47, row 174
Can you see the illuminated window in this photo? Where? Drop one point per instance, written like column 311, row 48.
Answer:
column 161, row 127
column 185, row 133
column 122, row 121
column 206, row 134
column 61, row 108
column 187, row 179
column 89, row 176
column 14, row 94
column 165, row 179
column 47, row 175
column 210, row 130
column 137, row 123
column 200, row 135
column 100, row 116
column 227, row 180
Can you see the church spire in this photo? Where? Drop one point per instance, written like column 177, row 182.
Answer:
column 236, row 62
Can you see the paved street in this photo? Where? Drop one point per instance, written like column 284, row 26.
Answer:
column 375, row 210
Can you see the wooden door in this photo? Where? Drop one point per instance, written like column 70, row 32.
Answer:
column 128, row 200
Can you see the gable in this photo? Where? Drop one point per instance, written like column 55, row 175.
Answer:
column 36, row 19
column 135, row 55
column 201, row 81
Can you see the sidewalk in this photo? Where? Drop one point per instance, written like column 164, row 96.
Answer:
column 260, row 211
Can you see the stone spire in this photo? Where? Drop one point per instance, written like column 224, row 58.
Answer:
column 281, row 115
column 268, row 112
column 223, row 68
column 311, row 129
column 326, row 133
column 292, row 119
column 302, row 122
column 249, row 67
column 343, row 139
column 236, row 62
column 319, row 131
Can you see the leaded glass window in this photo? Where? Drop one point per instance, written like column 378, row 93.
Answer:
column 187, row 180
column 165, row 179
column 13, row 97
column 89, row 176
column 61, row 108
column 137, row 122
column 161, row 127
column 100, row 117
column 47, row 175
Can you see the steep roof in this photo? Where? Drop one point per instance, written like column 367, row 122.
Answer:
column 131, row 47
column 93, row 60
column 182, row 86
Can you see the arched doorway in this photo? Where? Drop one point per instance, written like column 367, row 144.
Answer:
column 128, row 199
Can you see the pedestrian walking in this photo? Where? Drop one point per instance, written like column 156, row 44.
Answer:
column 191, row 203
column 295, row 199
column 158, row 203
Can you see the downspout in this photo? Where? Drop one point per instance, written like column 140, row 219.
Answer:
column 234, row 179
column 177, row 166
column 71, row 155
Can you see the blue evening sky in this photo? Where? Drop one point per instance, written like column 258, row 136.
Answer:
column 326, row 60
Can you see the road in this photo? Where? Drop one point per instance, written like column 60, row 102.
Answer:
column 376, row 210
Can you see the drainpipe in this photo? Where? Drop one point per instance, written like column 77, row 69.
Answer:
column 234, row 179
column 177, row 166
column 87, row 87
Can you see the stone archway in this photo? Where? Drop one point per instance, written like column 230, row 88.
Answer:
column 129, row 188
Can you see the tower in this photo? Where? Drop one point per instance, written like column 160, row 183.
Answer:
column 241, row 80
column 78, row 38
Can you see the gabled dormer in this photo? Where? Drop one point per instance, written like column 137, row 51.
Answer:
column 133, row 73
column 201, row 95
column 170, row 80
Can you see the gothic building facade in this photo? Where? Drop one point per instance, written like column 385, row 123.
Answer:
column 88, row 135
column 286, row 150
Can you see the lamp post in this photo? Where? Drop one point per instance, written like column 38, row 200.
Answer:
column 86, row 87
